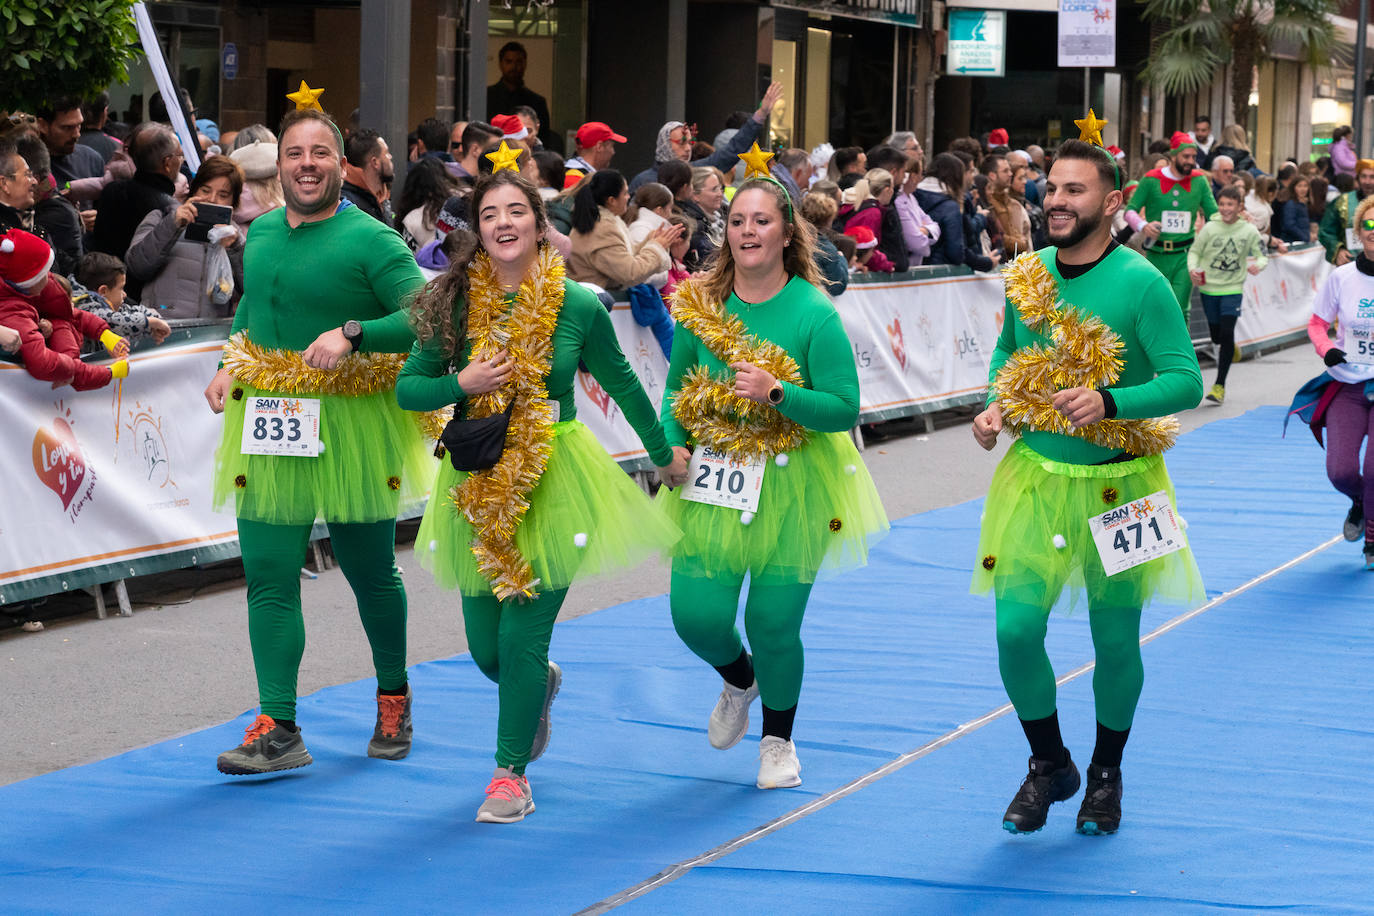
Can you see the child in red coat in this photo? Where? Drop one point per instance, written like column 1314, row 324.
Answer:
column 30, row 294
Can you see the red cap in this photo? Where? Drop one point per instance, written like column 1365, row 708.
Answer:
column 24, row 257
column 999, row 137
column 862, row 236
column 511, row 127
column 593, row 132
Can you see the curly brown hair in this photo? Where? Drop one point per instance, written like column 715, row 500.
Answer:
column 440, row 308
column 798, row 258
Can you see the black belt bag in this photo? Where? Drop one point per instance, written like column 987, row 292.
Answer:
column 475, row 445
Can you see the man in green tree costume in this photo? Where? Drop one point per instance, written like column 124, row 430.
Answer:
column 1164, row 209
column 1337, row 232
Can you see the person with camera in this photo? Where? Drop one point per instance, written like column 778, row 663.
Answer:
column 526, row 498
column 188, row 258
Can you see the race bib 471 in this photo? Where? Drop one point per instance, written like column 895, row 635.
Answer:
column 1136, row 532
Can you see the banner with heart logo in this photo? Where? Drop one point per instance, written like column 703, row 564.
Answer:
column 101, row 481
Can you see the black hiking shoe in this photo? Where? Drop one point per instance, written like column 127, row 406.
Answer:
column 1043, row 787
column 1353, row 529
column 1100, row 812
column 391, row 735
column 267, row 747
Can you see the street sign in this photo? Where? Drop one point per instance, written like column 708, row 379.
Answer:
column 229, row 61
column 977, row 43
column 1087, row 33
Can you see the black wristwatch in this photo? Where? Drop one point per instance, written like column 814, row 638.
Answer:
column 353, row 330
column 775, row 393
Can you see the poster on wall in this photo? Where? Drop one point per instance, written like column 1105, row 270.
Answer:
column 1087, row 33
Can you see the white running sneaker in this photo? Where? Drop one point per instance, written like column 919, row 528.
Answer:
column 730, row 718
column 508, row 799
column 779, row 767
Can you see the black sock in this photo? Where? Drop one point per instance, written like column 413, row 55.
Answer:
column 397, row 692
column 288, row 724
column 1110, row 744
column 779, row 722
column 740, row 672
column 1045, row 741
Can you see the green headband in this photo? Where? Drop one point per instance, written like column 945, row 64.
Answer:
column 786, row 195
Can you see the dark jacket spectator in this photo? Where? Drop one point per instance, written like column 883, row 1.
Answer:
column 510, row 92
column 935, row 195
column 157, row 159
column 363, row 199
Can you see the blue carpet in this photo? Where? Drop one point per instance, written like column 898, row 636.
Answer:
column 1246, row 778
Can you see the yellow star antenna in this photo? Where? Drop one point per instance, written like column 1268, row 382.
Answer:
column 1090, row 128
column 756, row 163
column 306, row 98
column 505, row 158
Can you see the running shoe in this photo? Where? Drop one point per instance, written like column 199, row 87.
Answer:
column 391, row 736
column 508, row 799
column 1100, row 812
column 1217, row 394
column 730, row 718
column 1354, row 521
column 1369, row 554
column 267, row 747
column 779, row 767
column 1043, row 787
column 541, row 734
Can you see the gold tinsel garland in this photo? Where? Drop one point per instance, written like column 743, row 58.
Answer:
column 494, row 501
column 285, row 371
column 707, row 406
column 1085, row 352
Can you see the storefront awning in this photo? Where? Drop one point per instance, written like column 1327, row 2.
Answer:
column 896, row 12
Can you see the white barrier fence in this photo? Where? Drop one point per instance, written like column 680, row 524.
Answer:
column 113, row 483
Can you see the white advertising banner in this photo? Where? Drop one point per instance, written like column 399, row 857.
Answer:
column 103, row 477
column 924, row 342
column 1087, row 33
column 599, row 412
column 1278, row 301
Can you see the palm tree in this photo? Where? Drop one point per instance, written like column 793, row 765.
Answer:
column 1199, row 37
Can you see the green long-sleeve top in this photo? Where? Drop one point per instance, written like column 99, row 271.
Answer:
column 1335, row 220
column 802, row 321
column 1160, row 375
column 1157, row 193
column 429, row 379
column 1222, row 251
column 301, row 282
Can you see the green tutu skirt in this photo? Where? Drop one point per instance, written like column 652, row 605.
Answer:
column 1035, row 503
column 587, row 517
column 818, row 513
column 374, row 461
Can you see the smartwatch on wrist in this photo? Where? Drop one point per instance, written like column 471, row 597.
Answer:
column 775, row 393
column 353, row 331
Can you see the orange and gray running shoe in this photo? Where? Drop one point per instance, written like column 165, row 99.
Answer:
column 267, row 748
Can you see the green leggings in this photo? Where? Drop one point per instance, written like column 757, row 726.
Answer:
column 704, row 612
column 509, row 641
column 1174, row 266
column 272, row 559
column 1029, row 678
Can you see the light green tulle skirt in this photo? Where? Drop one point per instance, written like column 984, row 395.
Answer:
column 374, row 461
column 587, row 517
column 818, row 513
column 1033, row 500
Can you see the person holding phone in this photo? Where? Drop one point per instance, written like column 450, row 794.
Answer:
column 190, row 265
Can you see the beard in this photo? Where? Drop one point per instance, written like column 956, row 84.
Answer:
column 333, row 183
column 1083, row 226
column 1183, row 170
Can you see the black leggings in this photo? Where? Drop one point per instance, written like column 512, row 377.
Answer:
column 1224, row 336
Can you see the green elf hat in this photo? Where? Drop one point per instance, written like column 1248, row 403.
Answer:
column 1090, row 131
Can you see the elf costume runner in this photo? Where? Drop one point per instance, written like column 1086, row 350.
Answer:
column 813, row 504
column 312, row 431
column 1338, row 233
column 1164, row 206
column 1091, row 358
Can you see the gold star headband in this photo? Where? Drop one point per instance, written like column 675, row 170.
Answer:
column 306, row 98
column 505, row 158
column 1090, row 131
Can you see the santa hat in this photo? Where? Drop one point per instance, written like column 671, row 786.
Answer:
column 511, row 127
column 998, row 136
column 258, row 160
column 863, row 237
column 1117, row 152
column 25, row 259
column 1181, row 141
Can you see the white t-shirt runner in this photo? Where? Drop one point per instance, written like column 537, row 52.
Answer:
column 1347, row 298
